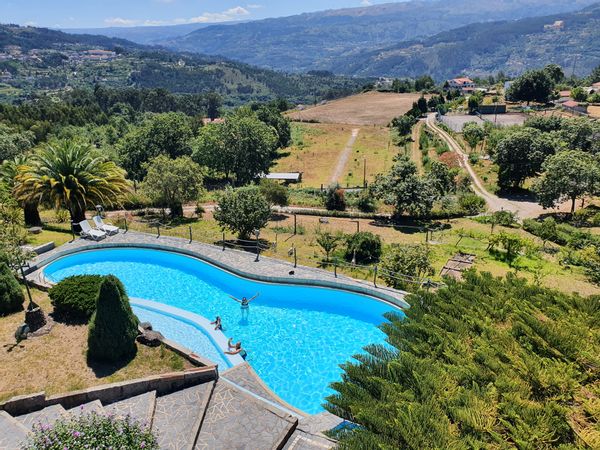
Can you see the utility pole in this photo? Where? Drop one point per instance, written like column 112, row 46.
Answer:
column 364, row 173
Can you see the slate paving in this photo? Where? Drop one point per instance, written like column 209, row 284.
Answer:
column 140, row 407
column 240, row 262
column 46, row 416
column 239, row 421
column 12, row 432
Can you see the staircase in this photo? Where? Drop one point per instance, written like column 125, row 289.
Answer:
column 215, row 414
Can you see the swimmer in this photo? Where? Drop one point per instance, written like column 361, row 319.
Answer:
column 244, row 301
column 234, row 349
column 217, row 323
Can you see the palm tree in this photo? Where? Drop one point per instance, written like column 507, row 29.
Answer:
column 73, row 176
column 8, row 174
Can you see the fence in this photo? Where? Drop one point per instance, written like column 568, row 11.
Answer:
column 373, row 273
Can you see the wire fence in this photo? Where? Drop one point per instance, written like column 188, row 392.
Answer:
column 373, row 273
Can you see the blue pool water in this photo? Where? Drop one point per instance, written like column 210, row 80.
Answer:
column 296, row 336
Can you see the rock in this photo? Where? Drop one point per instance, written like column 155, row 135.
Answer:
column 150, row 338
column 146, row 326
column 34, row 230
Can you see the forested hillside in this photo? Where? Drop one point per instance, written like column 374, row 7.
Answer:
column 484, row 48
column 318, row 40
column 38, row 59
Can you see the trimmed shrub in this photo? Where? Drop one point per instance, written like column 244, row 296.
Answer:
column 471, row 204
column 113, row 327
column 75, row 297
column 91, row 431
column 334, row 198
column 275, row 193
column 366, row 246
column 11, row 294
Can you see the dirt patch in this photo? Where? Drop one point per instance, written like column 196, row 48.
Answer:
column 371, row 108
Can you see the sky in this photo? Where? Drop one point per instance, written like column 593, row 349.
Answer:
column 105, row 13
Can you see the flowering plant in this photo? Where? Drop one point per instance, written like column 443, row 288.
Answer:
column 92, row 431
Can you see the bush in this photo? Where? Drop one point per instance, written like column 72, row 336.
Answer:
column 366, row 202
column 402, row 261
column 275, row 193
column 113, row 328
column 334, row 198
column 11, row 294
column 243, row 210
column 91, row 431
column 365, row 245
column 471, row 203
column 75, row 297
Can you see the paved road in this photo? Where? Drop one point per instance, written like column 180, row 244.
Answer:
column 523, row 208
column 341, row 164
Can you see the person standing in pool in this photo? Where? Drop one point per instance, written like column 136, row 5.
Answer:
column 245, row 302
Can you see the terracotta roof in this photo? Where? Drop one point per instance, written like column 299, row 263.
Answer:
column 571, row 104
column 463, row 80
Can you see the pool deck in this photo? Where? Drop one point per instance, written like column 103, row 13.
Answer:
column 235, row 261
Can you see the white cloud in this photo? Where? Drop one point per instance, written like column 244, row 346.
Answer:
column 31, row 23
column 207, row 17
column 230, row 14
column 366, row 2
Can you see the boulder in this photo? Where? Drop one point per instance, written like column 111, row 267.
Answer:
column 150, row 338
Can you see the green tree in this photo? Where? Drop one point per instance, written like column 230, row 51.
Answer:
column 281, row 124
column 403, row 124
column 441, row 179
column 569, row 174
column 474, row 102
column 473, row 134
column 483, row 363
column 532, row 86
column 243, row 210
column 113, row 326
column 424, row 83
column 72, row 176
column 595, row 75
column 511, row 243
column 405, row 264
column 11, row 294
column 520, row 154
column 363, row 247
column 172, row 182
column 581, row 133
column 275, row 193
column 213, row 105
column 14, row 144
column 335, row 198
column 12, row 233
column 243, row 146
column 547, row 231
column 422, row 105
column 403, row 188
column 159, row 134
column 578, row 94
column 8, row 175
column 555, row 73
column 328, row 242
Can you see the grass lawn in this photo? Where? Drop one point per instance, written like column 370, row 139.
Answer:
column 57, row 363
column 59, row 238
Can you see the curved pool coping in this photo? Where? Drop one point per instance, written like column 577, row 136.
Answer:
column 310, row 282
column 217, row 337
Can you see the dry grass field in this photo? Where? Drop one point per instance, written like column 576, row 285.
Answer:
column 371, row 108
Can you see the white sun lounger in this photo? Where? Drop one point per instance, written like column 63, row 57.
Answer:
column 107, row 228
column 88, row 231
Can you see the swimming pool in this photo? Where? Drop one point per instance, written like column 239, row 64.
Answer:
column 296, row 336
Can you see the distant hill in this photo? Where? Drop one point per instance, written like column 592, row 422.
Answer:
column 316, row 41
column 146, row 35
column 485, row 48
column 48, row 60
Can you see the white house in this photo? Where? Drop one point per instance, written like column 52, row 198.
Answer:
column 461, row 84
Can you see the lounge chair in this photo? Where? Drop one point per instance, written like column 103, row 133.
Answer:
column 88, row 231
column 107, row 228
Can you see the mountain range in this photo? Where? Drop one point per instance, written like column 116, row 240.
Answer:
column 327, row 40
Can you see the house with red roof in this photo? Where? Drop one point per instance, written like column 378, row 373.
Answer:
column 462, row 84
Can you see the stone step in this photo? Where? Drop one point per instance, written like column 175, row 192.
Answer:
column 140, row 408
column 302, row 440
column 238, row 420
column 46, row 416
column 12, row 432
column 87, row 408
column 178, row 416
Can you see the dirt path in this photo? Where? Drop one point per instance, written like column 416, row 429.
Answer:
column 523, row 208
column 344, row 157
column 415, row 154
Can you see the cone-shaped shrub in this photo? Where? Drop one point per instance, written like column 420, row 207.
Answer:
column 11, row 294
column 113, row 327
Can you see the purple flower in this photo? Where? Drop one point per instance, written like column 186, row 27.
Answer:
column 76, row 434
column 142, row 444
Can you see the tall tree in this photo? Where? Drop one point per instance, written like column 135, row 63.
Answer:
column 72, row 176
column 570, row 174
column 473, row 134
column 8, row 174
column 159, row 134
column 172, row 182
column 520, row 155
column 243, row 146
column 243, row 210
column 532, row 86
column 213, row 105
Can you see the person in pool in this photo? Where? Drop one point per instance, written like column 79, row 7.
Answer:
column 217, row 323
column 234, row 349
column 245, row 302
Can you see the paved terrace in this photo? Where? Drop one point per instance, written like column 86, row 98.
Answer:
column 236, row 261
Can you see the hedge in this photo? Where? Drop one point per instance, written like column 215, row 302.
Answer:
column 75, row 297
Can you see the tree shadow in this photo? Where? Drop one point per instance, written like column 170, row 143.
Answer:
column 278, row 217
column 103, row 369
